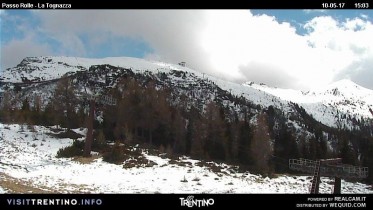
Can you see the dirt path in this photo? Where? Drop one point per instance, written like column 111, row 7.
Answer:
column 14, row 185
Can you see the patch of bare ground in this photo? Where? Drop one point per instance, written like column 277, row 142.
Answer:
column 14, row 185
column 86, row 160
column 20, row 186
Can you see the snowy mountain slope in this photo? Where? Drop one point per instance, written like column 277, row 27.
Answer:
column 37, row 76
column 49, row 68
column 331, row 105
column 32, row 161
column 39, row 69
column 335, row 106
column 289, row 111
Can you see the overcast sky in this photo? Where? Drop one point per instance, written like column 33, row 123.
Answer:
column 298, row 49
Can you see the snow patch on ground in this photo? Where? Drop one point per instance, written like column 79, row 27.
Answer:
column 2, row 190
column 33, row 160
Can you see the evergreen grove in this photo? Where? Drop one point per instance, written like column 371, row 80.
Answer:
column 257, row 139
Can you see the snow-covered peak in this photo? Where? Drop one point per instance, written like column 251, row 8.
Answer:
column 330, row 103
column 285, row 94
column 345, row 88
column 348, row 93
column 345, row 84
column 53, row 67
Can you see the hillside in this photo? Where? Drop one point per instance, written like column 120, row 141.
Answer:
column 182, row 111
column 334, row 106
column 330, row 105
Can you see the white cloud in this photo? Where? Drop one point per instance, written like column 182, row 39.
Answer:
column 14, row 51
column 309, row 11
column 22, row 44
column 345, row 47
column 233, row 44
column 364, row 16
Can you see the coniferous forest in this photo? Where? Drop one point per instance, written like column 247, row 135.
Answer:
column 196, row 122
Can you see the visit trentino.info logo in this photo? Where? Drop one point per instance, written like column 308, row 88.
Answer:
column 191, row 202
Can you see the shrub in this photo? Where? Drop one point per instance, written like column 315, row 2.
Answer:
column 76, row 149
column 196, row 179
column 68, row 134
column 116, row 155
column 99, row 142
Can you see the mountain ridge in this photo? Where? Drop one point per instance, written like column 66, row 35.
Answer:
column 343, row 96
column 326, row 105
column 189, row 112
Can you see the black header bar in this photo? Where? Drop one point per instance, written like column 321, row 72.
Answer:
column 188, row 4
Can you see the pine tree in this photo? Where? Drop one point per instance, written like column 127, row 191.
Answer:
column 189, row 136
column 285, row 145
column 261, row 150
column 129, row 111
column 25, row 111
column 304, row 148
column 367, row 158
column 64, row 102
column 215, row 139
column 48, row 117
column 6, row 107
column 198, row 140
column 177, row 132
column 156, row 109
column 346, row 151
column 100, row 140
column 36, row 111
column 244, row 141
column 229, row 139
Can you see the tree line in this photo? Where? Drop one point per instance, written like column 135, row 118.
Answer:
column 261, row 140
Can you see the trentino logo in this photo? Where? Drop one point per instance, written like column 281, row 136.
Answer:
column 191, row 202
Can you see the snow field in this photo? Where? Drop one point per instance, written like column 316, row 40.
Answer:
column 33, row 161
